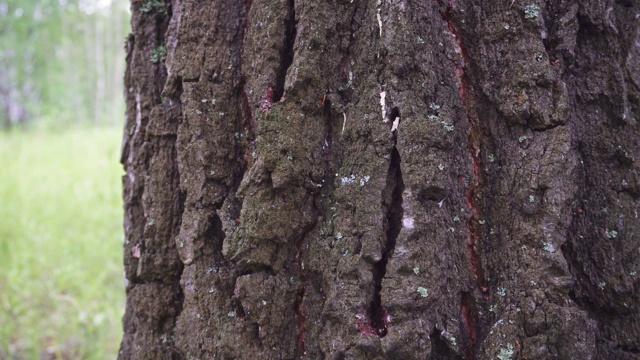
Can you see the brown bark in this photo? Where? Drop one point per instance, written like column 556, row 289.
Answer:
column 398, row 179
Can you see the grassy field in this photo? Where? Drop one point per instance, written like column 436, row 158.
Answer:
column 61, row 274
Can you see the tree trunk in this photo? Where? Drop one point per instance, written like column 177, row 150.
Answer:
column 382, row 179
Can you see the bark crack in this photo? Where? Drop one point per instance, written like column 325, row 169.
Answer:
column 392, row 202
column 286, row 56
column 440, row 346
column 467, row 304
column 468, row 315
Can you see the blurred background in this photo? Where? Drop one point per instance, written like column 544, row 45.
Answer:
column 61, row 116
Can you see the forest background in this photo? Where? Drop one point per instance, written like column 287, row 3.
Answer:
column 61, row 115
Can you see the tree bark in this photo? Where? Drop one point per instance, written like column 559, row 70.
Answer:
column 382, row 179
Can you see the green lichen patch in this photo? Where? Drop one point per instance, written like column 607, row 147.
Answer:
column 154, row 6
column 531, row 11
column 159, row 54
column 423, row 292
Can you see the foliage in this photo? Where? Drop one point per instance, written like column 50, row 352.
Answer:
column 61, row 61
column 61, row 282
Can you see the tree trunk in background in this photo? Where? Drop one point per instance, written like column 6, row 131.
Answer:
column 397, row 179
column 98, row 47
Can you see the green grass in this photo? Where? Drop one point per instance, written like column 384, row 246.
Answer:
column 61, row 273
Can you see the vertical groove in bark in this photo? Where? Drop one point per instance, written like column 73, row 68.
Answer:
column 377, row 315
column 439, row 347
column 393, row 221
column 469, row 312
column 392, row 204
column 286, row 56
column 469, row 318
column 243, row 108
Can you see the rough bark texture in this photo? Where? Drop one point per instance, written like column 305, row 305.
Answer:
column 369, row 179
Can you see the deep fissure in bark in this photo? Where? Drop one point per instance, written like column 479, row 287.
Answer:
column 250, row 121
column 395, row 185
column 469, row 330
column 286, row 57
column 467, row 303
column 247, row 126
column 439, row 346
column 629, row 349
column 393, row 114
column 215, row 237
